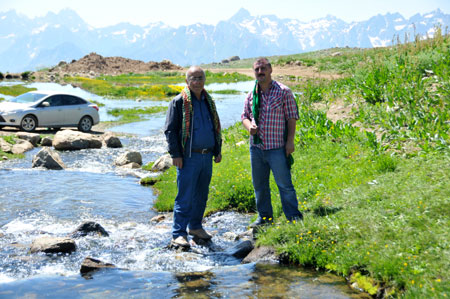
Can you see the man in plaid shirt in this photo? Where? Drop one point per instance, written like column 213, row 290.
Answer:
column 270, row 114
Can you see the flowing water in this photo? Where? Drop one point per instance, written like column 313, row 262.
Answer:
column 36, row 202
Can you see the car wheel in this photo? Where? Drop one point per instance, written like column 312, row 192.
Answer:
column 28, row 123
column 85, row 124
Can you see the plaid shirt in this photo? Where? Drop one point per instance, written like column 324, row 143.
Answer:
column 277, row 106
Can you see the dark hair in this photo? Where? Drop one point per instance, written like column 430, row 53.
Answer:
column 263, row 60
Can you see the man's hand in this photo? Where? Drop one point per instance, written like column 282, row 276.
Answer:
column 253, row 129
column 290, row 148
column 218, row 158
column 178, row 162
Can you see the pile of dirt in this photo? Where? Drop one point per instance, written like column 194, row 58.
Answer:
column 93, row 65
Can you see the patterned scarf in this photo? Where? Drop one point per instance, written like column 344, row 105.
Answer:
column 187, row 115
column 255, row 110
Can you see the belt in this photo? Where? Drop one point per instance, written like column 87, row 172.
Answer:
column 202, row 150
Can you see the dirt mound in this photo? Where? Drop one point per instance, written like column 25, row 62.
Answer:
column 95, row 64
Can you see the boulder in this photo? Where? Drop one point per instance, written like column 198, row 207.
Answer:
column 162, row 163
column 5, row 146
column 49, row 159
column 111, row 141
column 234, row 58
column 158, row 218
column 89, row 227
column 241, row 250
column 129, row 157
column 132, row 165
column 90, row 264
column 33, row 138
column 74, row 140
column 21, row 147
column 46, row 141
column 263, row 254
column 53, row 245
column 231, row 236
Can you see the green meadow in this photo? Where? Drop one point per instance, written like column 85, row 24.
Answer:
column 15, row 90
column 150, row 86
column 134, row 114
column 373, row 186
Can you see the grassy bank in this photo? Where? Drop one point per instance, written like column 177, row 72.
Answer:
column 135, row 114
column 15, row 90
column 109, row 89
column 374, row 187
column 150, row 86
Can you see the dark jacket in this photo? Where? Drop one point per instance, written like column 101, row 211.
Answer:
column 172, row 130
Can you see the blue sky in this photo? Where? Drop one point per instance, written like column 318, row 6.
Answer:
column 101, row 13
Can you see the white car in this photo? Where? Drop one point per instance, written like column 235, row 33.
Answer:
column 48, row 109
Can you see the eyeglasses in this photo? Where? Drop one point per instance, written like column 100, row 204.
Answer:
column 198, row 79
column 261, row 68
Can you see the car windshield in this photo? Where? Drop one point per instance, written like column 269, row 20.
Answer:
column 28, row 97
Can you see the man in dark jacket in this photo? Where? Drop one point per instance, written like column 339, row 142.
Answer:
column 193, row 135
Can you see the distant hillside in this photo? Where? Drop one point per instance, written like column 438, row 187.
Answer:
column 29, row 44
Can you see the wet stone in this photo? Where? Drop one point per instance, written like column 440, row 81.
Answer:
column 49, row 159
column 91, row 228
column 46, row 141
column 53, row 245
column 111, row 141
column 241, row 250
column 90, row 264
column 263, row 254
column 158, row 218
column 33, row 138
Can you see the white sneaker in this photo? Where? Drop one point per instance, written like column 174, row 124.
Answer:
column 181, row 241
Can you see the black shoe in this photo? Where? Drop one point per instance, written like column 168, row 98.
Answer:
column 261, row 222
column 297, row 218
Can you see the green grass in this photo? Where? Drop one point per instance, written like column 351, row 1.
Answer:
column 106, row 88
column 150, row 86
column 97, row 103
column 15, row 90
column 391, row 225
column 375, row 206
column 157, row 77
column 135, row 114
column 226, row 91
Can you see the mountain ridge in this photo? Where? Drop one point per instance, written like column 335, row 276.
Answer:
column 30, row 44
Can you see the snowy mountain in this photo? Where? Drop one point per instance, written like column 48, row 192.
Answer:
column 29, row 44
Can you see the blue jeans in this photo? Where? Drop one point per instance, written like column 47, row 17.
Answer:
column 262, row 162
column 193, row 186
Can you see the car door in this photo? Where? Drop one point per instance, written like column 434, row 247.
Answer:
column 74, row 108
column 49, row 112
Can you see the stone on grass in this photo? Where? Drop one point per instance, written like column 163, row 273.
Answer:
column 129, row 157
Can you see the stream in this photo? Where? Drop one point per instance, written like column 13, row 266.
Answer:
column 36, row 202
